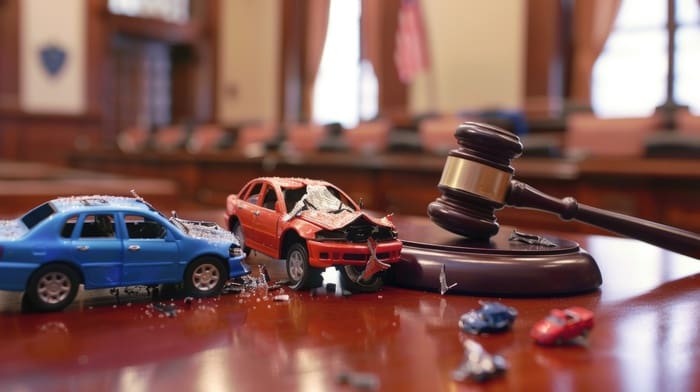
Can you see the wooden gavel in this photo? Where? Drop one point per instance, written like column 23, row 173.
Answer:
column 478, row 179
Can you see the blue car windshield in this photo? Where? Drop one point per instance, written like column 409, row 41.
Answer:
column 37, row 215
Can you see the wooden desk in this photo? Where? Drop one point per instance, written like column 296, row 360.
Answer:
column 646, row 337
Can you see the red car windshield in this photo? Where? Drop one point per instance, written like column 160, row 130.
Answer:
column 317, row 197
column 556, row 320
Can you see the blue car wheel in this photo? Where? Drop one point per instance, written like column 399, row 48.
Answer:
column 51, row 288
column 205, row 277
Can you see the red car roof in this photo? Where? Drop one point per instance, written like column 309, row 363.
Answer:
column 294, row 182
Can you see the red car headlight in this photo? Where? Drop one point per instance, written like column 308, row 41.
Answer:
column 330, row 235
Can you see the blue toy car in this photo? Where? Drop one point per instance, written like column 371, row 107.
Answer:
column 492, row 317
column 111, row 241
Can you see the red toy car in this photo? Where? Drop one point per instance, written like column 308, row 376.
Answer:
column 563, row 325
column 313, row 225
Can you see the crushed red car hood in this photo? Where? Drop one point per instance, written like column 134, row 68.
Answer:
column 330, row 221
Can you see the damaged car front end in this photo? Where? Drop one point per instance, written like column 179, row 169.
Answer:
column 317, row 226
column 357, row 244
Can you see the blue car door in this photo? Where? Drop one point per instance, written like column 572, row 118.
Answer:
column 151, row 254
column 98, row 249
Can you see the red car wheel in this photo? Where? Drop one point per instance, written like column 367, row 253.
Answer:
column 302, row 275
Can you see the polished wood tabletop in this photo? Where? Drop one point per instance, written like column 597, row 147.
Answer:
column 646, row 336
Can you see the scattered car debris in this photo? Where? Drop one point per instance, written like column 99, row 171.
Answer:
column 264, row 274
column 330, row 289
column 563, row 326
column 531, row 239
column 364, row 381
column 478, row 365
column 492, row 317
column 274, row 287
column 443, row 281
column 373, row 266
column 168, row 310
column 115, row 292
column 232, row 287
column 151, row 291
column 281, row 298
column 254, row 282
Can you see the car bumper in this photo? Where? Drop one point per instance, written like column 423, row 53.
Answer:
column 327, row 254
column 237, row 267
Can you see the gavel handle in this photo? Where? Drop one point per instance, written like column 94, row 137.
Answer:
column 671, row 238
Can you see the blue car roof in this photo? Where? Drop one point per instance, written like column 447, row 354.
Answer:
column 98, row 201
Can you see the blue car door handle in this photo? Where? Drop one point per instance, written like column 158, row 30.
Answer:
column 82, row 248
column 134, row 248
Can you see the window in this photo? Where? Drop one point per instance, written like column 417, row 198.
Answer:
column 37, row 215
column 98, row 226
column 140, row 227
column 67, row 230
column 169, row 10
column 687, row 60
column 630, row 76
column 142, row 72
column 254, row 193
column 346, row 89
column 270, row 199
column 292, row 196
column 160, row 57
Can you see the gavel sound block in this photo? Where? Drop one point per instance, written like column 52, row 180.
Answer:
column 498, row 266
column 476, row 181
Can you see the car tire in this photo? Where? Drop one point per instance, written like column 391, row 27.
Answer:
column 301, row 274
column 51, row 288
column 237, row 230
column 349, row 279
column 205, row 277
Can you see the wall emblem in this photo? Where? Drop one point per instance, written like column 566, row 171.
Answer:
column 53, row 57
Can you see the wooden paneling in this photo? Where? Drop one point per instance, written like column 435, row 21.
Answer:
column 546, row 57
column 679, row 204
column 46, row 138
column 9, row 54
column 293, row 49
column 379, row 23
column 661, row 190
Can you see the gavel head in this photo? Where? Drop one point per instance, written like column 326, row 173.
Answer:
column 475, row 180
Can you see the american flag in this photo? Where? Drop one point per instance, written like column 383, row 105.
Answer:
column 411, row 54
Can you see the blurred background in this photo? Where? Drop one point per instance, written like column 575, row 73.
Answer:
column 207, row 94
